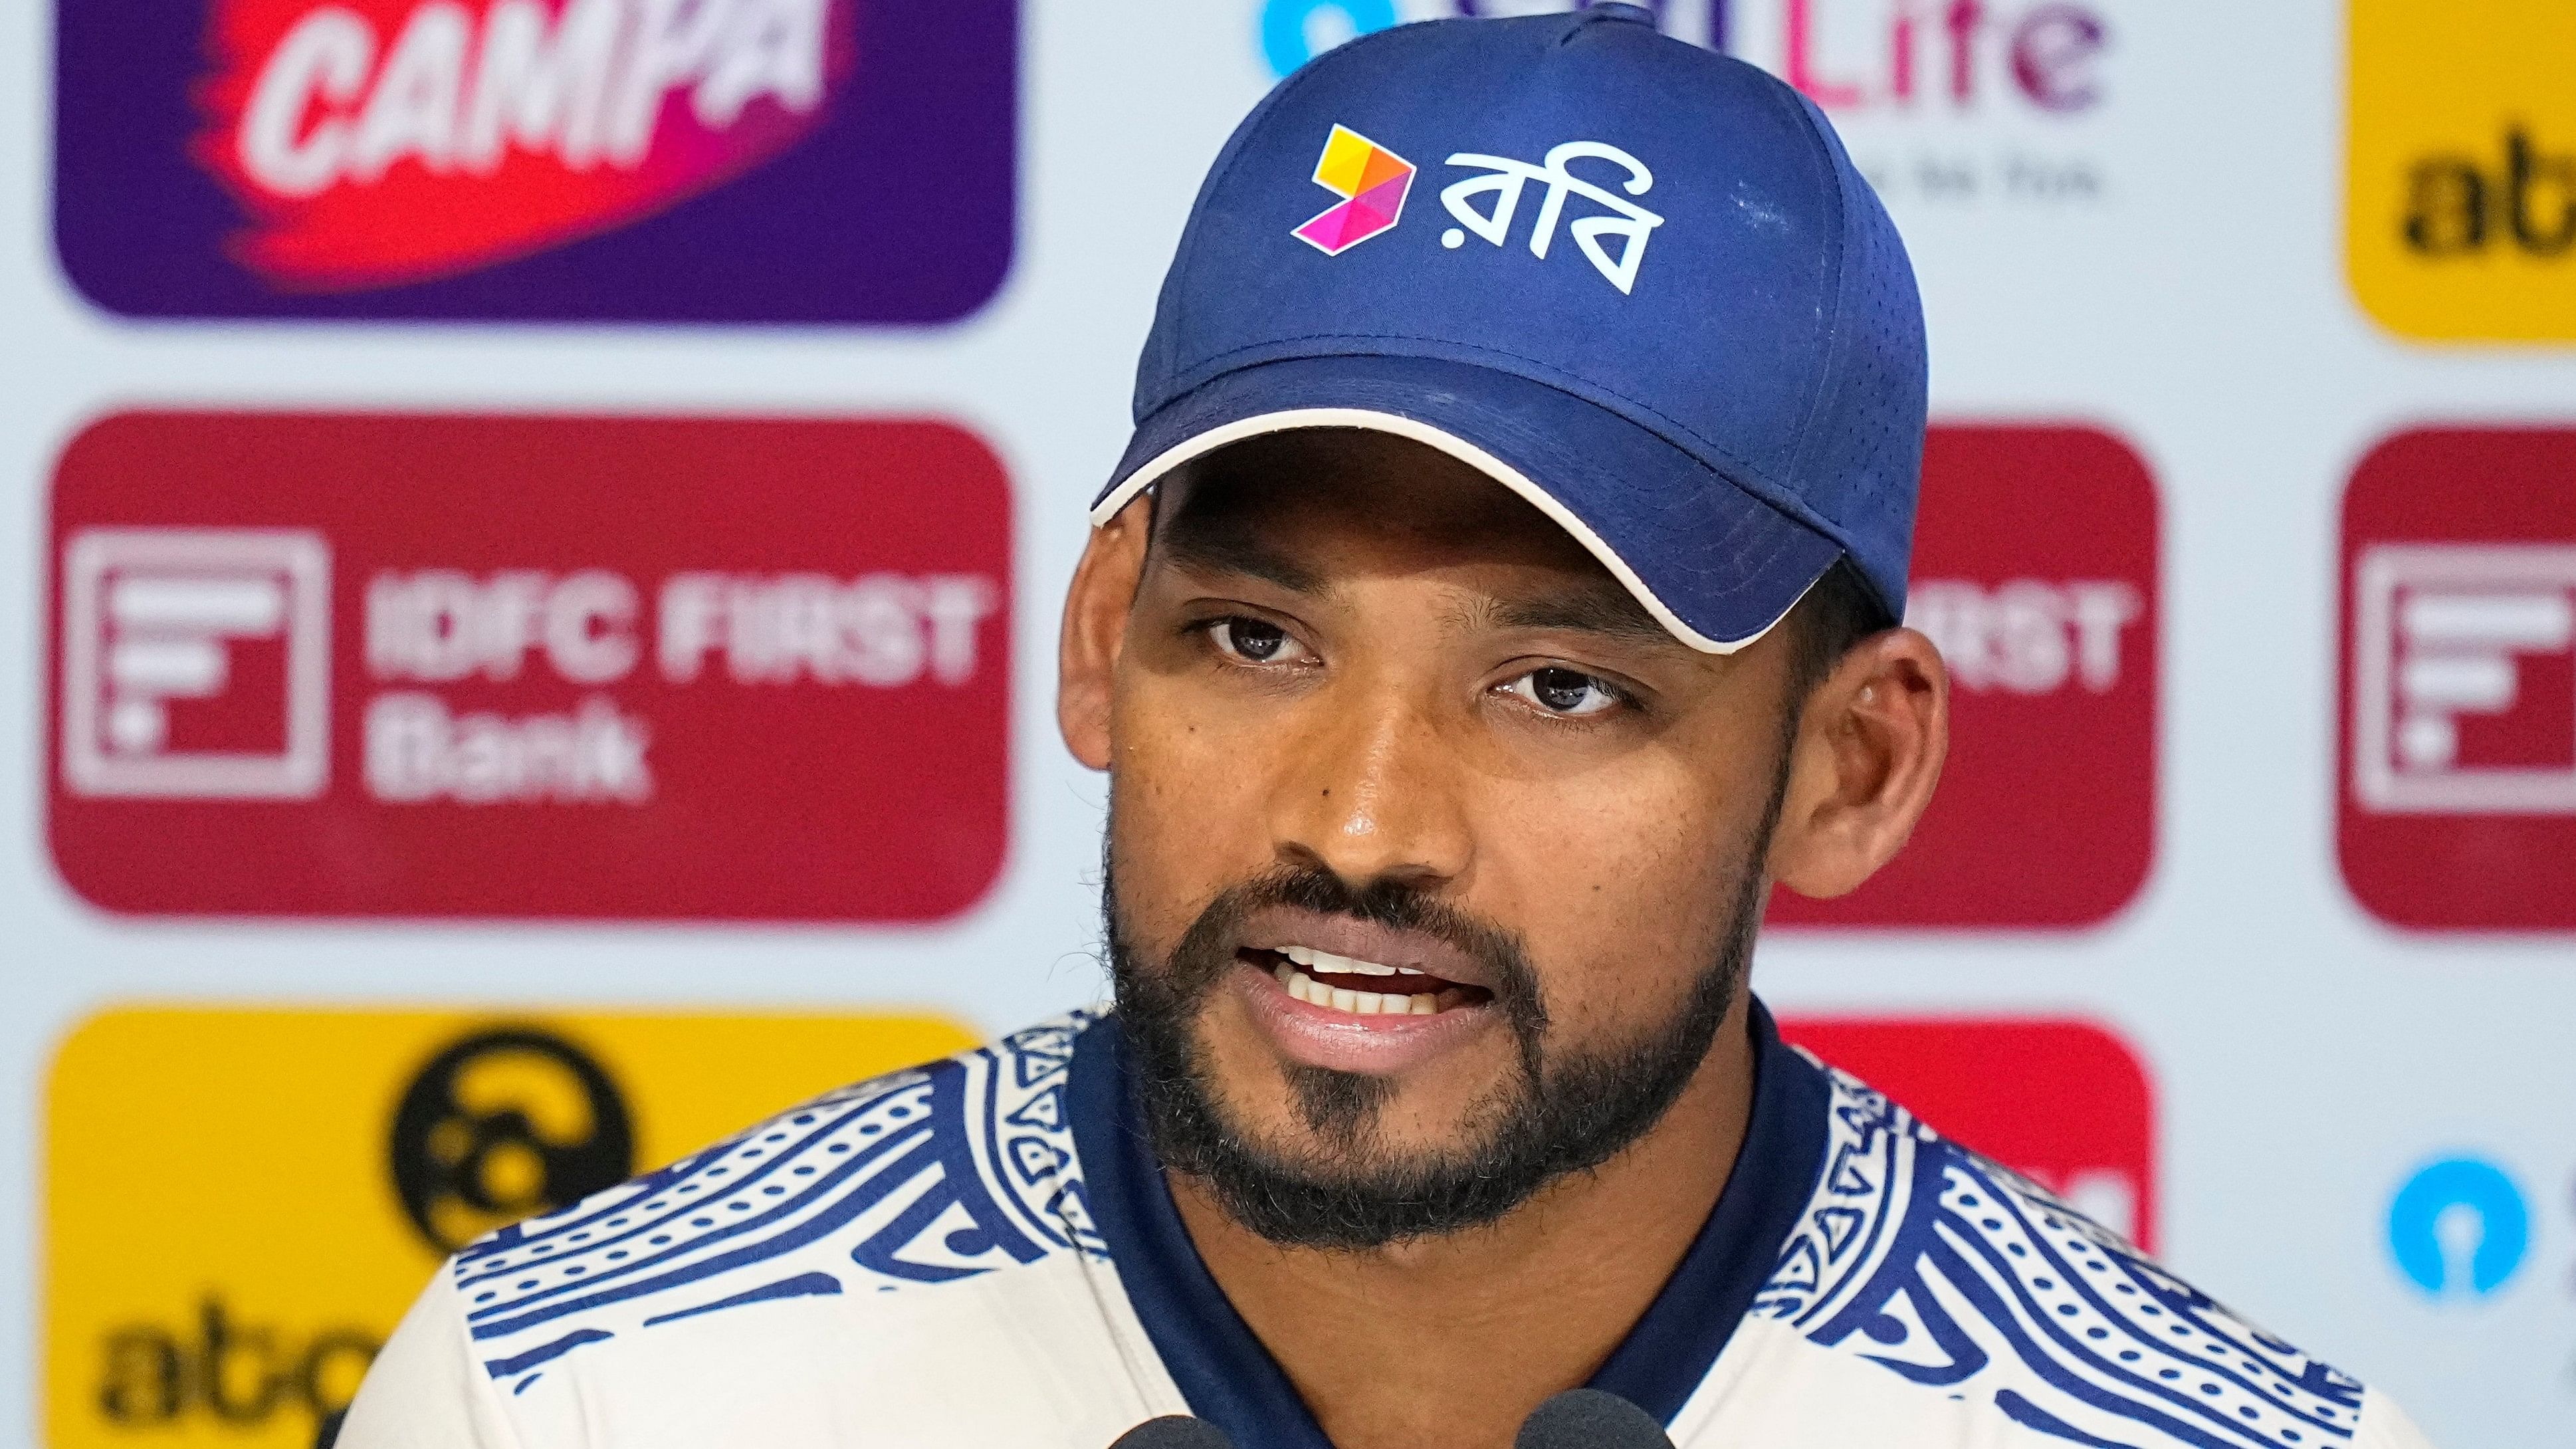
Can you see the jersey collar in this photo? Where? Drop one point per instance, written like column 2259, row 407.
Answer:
column 1231, row 1380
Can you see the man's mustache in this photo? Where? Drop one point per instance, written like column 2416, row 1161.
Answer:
column 1208, row 948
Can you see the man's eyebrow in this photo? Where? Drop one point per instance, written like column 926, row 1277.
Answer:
column 1207, row 550
column 1582, row 611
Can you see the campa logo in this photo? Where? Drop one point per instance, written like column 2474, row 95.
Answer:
column 801, row 162
column 384, row 141
column 2460, row 209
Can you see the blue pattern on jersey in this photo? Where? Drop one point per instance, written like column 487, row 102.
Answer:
column 803, row 1285
column 1912, row 1252
column 1963, row 1276
column 922, row 1177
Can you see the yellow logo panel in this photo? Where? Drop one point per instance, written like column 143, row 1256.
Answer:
column 2460, row 192
column 240, row 1204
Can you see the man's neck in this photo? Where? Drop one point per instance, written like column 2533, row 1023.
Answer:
column 1448, row 1343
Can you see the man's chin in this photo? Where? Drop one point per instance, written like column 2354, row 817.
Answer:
column 1318, row 1157
column 1298, row 1183
column 1346, row 1129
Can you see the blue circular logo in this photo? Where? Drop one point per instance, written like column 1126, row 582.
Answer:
column 1294, row 32
column 2459, row 1227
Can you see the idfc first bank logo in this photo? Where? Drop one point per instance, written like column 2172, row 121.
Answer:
column 2458, row 791
column 844, row 160
column 358, row 666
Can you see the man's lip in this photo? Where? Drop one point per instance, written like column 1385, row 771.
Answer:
column 1276, row 927
column 1317, row 1036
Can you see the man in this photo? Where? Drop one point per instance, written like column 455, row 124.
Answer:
column 1496, row 601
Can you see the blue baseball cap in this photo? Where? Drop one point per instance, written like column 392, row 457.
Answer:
column 1637, row 282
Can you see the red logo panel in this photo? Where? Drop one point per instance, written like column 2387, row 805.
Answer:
column 2457, row 766
column 521, row 127
column 2064, row 1103
column 462, row 666
column 2035, row 571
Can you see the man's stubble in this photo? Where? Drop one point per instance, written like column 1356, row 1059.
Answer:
column 1558, row 1111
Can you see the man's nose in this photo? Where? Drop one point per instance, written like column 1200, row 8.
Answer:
column 1372, row 791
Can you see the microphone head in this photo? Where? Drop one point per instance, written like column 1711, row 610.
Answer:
column 1174, row 1431
column 1590, row 1419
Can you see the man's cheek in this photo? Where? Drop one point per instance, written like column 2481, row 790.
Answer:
column 1185, row 827
column 1244, row 1072
column 1616, row 959
column 1620, row 870
column 1152, row 900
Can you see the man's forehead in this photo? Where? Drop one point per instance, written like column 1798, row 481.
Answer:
column 1301, row 509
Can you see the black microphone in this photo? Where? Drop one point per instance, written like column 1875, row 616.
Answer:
column 1584, row 1419
column 1174, row 1431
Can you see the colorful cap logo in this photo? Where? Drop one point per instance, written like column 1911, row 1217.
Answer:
column 1374, row 179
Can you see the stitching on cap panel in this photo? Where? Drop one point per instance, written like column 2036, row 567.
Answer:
column 1236, row 144
column 1837, row 238
column 1227, row 159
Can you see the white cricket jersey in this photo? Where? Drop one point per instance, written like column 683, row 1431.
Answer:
column 983, row 1251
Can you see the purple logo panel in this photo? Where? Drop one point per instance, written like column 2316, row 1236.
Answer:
column 716, row 161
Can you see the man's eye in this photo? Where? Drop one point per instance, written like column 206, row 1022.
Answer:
column 1255, row 640
column 1566, row 692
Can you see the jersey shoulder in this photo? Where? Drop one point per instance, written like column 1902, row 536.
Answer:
column 1976, row 1284
column 955, row 1171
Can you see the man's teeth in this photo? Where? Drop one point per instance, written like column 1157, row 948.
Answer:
column 1332, row 965
column 1361, row 1003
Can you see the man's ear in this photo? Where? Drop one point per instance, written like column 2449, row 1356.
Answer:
column 1868, row 751
column 1095, row 629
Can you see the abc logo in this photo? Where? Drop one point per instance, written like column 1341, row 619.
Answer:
column 329, row 1158
column 504, row 1125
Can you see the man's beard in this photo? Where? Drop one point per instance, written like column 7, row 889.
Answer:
column 1559, row 1111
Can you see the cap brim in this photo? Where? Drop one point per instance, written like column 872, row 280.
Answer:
column 1711, row 562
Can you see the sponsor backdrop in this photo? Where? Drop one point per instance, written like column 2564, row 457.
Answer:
column 335, row 1156
column 538, row 527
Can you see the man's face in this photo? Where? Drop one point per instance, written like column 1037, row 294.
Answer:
column 1433, row 859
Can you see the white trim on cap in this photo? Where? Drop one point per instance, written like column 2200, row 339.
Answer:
column 1456, row 447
